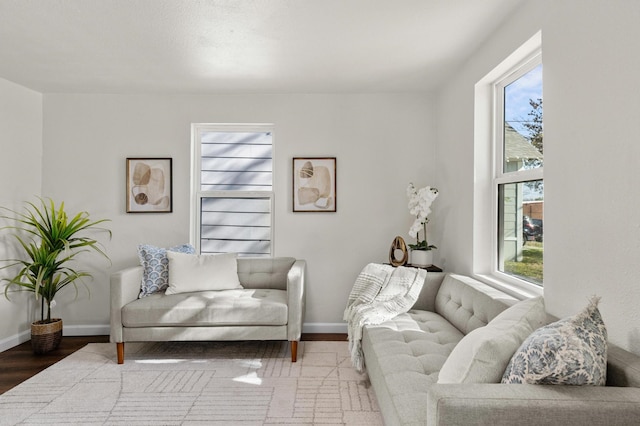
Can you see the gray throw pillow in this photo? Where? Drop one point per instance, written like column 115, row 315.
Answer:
column 572, row 351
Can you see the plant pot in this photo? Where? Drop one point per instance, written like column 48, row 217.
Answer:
column 422, row 257
column 46, row 336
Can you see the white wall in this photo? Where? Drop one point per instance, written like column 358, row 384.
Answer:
column 20, row 177
column 592, row 155
column 381, row 142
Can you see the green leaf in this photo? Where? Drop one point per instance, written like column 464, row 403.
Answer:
column 50, row 241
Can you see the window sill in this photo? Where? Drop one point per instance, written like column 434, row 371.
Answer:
column 518, row 290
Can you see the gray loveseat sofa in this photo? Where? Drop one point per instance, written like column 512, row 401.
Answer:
column 403, row 357
column 270, row 306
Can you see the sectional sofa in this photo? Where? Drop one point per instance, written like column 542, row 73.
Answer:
column 404, row 358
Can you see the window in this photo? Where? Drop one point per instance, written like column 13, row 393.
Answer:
column 232, row 196
column 509, row 189
column 518, row 178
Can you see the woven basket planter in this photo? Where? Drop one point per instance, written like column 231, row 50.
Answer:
column 45, row 337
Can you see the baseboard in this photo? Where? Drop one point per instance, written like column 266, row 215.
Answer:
column 103, row 330
column 67, row 330
column 14, row 340
column 324, row 327
column 86, row 330
column 100, row 330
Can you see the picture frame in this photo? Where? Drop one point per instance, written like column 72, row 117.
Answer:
column 314, row 184
column 149, row 185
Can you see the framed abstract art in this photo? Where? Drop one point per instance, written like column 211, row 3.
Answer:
column 149, row 185
column 314, row 184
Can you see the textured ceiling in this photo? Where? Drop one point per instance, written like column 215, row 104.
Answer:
column 240, row 46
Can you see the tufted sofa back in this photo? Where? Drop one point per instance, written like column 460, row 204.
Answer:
column 468, row 304
column 264, row 272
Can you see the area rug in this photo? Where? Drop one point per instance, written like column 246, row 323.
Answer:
column 197, row 383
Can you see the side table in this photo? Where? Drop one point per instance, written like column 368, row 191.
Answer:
column 430, row 268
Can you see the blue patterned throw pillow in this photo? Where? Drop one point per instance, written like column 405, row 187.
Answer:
column 155, row 275
column 572, row 351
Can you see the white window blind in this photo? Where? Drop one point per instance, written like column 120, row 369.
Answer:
column 236, row 161
column 233, row 177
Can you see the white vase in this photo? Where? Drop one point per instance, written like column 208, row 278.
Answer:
column 422, row 257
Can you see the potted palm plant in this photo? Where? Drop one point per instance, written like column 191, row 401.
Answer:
column 51, row 241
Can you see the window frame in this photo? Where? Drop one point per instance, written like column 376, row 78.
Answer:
column 489, row 167
column 197, row 195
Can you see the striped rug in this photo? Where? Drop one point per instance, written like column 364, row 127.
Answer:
column 197, row 383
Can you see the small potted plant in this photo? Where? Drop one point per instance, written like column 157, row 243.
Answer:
column 51, row 240
column 420, row 201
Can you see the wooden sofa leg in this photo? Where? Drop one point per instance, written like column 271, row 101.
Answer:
column 294, row 350
column 120, row 349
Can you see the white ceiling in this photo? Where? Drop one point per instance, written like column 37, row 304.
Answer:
column 246, row 46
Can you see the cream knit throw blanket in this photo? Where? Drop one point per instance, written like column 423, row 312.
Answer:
column 380, row 293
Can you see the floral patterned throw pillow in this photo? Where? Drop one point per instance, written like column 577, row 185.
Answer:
column 572, row 351
column 155, row 264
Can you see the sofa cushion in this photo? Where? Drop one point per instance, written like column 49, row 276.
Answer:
column 220, row 308
column 403, row 357
column 264, row 272
column 483, row 355
column 193, row 272
column 155, row 267
column 468, row 304
column 423, row 336
column 572, row 351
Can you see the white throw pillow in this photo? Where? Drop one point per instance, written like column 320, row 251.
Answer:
column 483, row 354
column 192, row 272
